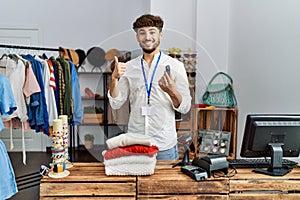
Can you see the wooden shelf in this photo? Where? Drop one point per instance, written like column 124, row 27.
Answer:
column 220, row 119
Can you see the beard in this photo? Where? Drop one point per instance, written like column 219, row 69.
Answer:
column 149, row 51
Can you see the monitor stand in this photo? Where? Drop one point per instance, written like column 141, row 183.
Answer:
column 276, row 168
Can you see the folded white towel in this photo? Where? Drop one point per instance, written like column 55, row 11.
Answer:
column 134, row 159
column 130, row 165
column 128, row 139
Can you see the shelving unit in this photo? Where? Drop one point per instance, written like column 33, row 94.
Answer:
column 98, row 83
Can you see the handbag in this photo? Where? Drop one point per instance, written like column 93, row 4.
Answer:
column 220, row 94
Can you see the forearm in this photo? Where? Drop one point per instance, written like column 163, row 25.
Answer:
column 114, row 90
column 175, row 97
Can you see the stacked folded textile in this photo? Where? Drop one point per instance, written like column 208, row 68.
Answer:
column 128, row 155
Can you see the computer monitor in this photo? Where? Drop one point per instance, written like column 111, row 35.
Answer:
column 272, row 135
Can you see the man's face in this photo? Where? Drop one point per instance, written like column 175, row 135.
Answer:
column 148, row 38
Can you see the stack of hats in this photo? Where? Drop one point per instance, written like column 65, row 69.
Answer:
column 130, row 154
column 76, row 56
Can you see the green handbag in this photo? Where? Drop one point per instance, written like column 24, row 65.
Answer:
column 220, row 94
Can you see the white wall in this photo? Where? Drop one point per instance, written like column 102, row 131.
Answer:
column 73, row 23
column 212, row 41
column 180, row 22
column 264, row 57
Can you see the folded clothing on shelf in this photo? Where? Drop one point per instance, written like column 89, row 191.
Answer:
column 130, row 160
column 138, row 165
column 128, row 139
column 131, row 150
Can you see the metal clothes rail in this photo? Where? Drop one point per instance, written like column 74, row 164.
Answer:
column 27, row 47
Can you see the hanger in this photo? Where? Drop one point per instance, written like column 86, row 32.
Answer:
column 14, row 57
column 3, row 56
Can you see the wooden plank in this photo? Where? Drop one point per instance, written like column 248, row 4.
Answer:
column 247, row 181
column 87, row 198
column 88, row 180
column 168, row 180
column 264, row 185
column 179, row 187
column 247, row 174
column 252, row 196
column 88, row 189
column 184, row 125
column 184, row 197
column 92, row 172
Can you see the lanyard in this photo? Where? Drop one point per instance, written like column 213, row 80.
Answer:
column 148, row 87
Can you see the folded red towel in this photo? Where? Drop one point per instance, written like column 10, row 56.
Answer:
column 131, row 150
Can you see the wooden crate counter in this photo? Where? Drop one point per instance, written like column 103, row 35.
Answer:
column 88, row 181
column 171, row 183
column 248, row 185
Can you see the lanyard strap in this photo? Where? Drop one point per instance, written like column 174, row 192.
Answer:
column 148, row 87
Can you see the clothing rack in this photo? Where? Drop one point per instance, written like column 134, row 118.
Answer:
column 72, row 138
column 27, row 47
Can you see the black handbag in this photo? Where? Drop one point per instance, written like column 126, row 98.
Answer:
column 220, row 94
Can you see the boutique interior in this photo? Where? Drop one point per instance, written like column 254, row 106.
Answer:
column 60, row 59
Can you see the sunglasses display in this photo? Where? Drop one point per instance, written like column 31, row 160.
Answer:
column 188, row 55
column 188, row 58
column 191, row 74
column 173, row 55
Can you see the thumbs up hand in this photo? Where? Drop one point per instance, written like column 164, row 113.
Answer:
column 119, row 70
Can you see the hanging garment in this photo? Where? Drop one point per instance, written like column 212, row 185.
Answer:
column 49, row 92
column 8, row 185
column 37, row 109
column 31, row 85
column 67, row 91
column 15, row 71
column 7, row 101
column 60, row 84
column 78, row 112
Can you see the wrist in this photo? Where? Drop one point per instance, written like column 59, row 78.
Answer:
column 175, row 97
column 114, row 79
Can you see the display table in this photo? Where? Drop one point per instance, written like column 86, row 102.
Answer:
column 88, row 181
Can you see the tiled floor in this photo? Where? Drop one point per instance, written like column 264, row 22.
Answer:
column 28, row 176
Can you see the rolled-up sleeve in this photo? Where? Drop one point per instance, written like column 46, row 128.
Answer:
column 182, row 85
column 118, row 101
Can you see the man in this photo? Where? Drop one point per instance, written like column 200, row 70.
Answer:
column 154, row 95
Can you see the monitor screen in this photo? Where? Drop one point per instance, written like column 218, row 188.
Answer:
column 261, row 130
column 273, row 135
